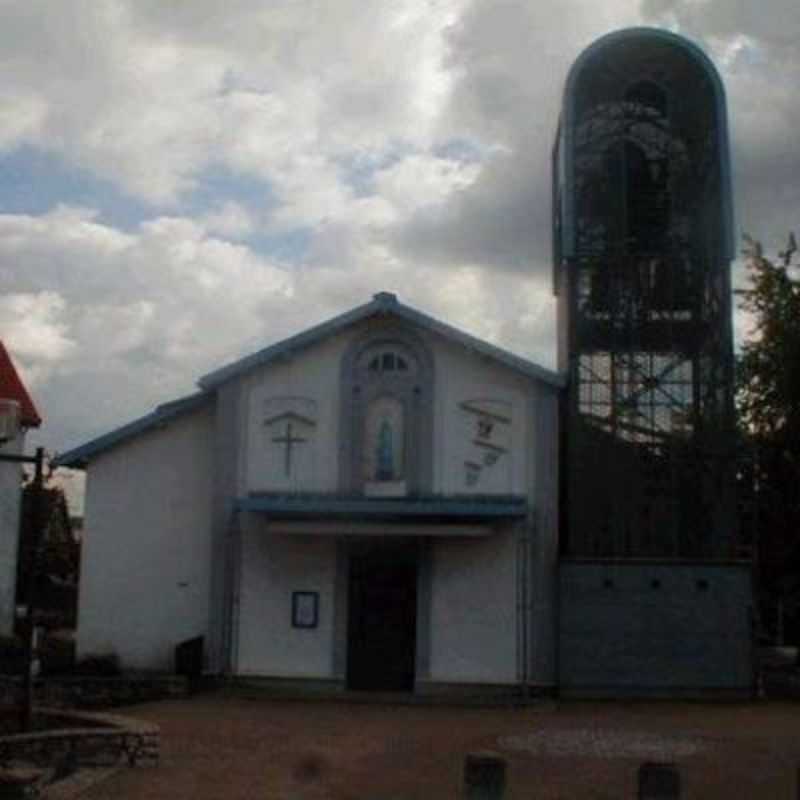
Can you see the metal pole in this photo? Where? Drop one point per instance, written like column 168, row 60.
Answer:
column 28, row 630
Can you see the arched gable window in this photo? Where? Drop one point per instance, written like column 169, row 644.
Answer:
column 387, row 390
column 388, row 360
column 389, row 357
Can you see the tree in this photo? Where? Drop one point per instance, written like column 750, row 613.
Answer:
column 52, row 567
column 768, row 399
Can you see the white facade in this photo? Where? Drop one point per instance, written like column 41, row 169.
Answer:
column 272, row 567
column 145, row 560
column 260, row 517
column 473, row 610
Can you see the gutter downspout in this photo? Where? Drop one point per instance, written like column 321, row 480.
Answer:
column 528, row 606
column 230, row 632
column 519, row 609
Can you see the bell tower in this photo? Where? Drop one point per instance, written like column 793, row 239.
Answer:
column 643, row 244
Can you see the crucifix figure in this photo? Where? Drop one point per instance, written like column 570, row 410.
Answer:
column 288, row 440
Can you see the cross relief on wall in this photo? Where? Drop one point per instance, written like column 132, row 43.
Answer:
column 289, row 433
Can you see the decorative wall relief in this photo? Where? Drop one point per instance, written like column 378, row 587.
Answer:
column 386, row 422
column 486, row 431
column 289, row 429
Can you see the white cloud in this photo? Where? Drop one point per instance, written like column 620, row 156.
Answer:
column 187, row 301
column 34, row 326
column 755, row 49
column 231, row 220
column 21, row 117
column 345, row 120
column 148, row 95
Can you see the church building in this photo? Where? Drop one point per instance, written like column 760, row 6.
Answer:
column 385, row 502
column 368, row 504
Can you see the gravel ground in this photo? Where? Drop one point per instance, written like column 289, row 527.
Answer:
column 230, row 746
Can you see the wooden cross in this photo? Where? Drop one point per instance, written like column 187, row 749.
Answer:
column 289, row 441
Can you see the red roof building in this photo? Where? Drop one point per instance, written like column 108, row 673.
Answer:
column 12, row 388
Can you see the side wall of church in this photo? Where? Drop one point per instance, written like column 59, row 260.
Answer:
column 146, row 551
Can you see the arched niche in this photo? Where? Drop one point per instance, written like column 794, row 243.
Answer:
column 386, row 424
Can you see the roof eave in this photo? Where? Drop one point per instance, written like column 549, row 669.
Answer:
column 79, row 457
column 382, row 303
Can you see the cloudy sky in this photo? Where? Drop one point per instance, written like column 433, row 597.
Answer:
column 184, row 182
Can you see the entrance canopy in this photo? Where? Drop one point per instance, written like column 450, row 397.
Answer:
column 422, row 516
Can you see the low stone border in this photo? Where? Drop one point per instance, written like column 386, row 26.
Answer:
column 80, row 691
column 86, row 740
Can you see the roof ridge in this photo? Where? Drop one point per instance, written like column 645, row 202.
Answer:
column 381, row 303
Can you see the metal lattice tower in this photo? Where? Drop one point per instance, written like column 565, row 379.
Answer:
column 643, row 244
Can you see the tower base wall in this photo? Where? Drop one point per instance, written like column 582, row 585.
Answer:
column 655, row 628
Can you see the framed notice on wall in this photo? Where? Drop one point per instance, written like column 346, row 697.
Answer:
column 305, row 609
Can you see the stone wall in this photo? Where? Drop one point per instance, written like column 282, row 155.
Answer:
column 91, row 692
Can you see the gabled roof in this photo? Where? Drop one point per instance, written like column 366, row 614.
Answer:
column 12, row 388
column 78, row 457
column 382, row 304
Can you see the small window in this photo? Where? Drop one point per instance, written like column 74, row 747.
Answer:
column 388, row 360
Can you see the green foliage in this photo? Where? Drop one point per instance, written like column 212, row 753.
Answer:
column 49, row 557
column 768, row 400
column 769, row 395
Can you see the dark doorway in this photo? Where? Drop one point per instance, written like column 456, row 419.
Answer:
column 382, row 619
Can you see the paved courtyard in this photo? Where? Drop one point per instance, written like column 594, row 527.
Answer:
column 231, row 746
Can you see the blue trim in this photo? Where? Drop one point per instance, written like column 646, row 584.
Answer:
column 568, row 128
column 78, row 457
column 315, row 505
column 383, row 303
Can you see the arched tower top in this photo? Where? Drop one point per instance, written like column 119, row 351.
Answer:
column 645, row 41
column 657, row 61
